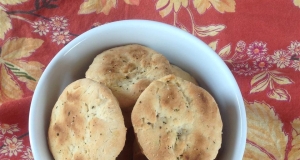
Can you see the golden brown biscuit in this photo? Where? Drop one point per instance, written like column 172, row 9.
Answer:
column 175, row 119
column 183, row 74
column 86, row 123
column 127, row 71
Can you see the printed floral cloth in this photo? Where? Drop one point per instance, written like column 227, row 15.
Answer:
column 258, row 39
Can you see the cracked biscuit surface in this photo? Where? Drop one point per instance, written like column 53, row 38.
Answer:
column 175, row 119
column 86, row 123
column 127, row 71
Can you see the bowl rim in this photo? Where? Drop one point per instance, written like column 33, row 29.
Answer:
column 80, row 38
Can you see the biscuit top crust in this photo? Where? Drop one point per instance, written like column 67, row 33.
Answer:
column 175, row 119
column 86, row 123
column 128, row 70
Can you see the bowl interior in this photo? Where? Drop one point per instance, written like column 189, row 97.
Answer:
column 181, row 49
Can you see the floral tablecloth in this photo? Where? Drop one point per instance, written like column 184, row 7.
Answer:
column 258, row 40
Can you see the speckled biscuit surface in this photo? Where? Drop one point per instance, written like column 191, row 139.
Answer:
column 127, row 71
column 183, row 74
column 86, row 123
column 175, row 119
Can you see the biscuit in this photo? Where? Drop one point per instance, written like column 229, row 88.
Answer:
column 175, row 119
column 183, row 74
column 86, row 123
column 127, row 71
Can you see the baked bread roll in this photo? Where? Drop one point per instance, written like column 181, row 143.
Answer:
column 86, row 123
column 127, row 71
column 183, row 74
column 175, row 119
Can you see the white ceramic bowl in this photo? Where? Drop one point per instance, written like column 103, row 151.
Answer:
column 181, row 49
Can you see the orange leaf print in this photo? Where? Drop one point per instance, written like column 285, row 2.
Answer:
column 265, row 131
column 258, row 77
column 213, row 45
column 280, row 79
column 295, row 151
column 166, row 6
column 253, row 152
column 9, row 89
column 297, row 3
column 5, row 23
column 201, row 5
column 225, row 51
column 14, row 67
column 220, row 5
column 262, row 85
column 268, row 78
column 279, row 94
column 210, row 30
column 132, row 2
column 32, row 68
column 12, row 2
column 98, row 6
column 17, row 48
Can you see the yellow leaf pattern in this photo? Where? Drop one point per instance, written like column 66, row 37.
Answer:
column 258, row 77
column 32, row 68
column 13, row 67
column 211, row 30
column 262, row 85
column 5, row 23
column 132, row 2
column 201, row 5
column 220, row 5
column 17, row 48
column 98, row 6
column 297, row 3
column 279, row 94
column 253, row 153
column 225, row 51
column 295, row 151
column 166, row 6
column 268, row 78
column 224, row 5
column 280, row 79
column 213, row 45
column 254, row 59
column 9, row 88
column 12, row 2
column 265, row 130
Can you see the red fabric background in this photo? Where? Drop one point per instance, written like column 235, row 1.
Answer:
column 272, row 22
